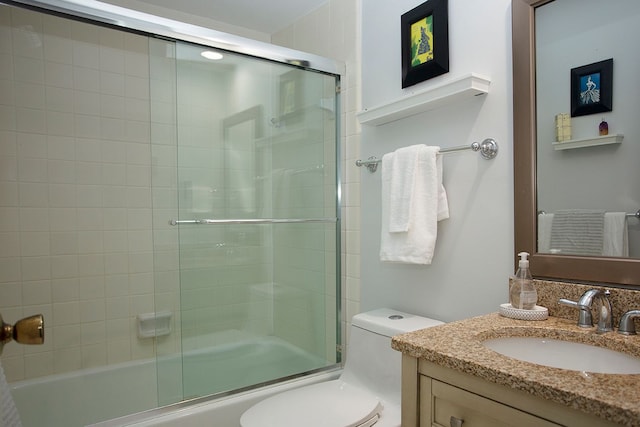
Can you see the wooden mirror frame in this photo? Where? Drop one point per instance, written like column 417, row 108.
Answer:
column 620, row 271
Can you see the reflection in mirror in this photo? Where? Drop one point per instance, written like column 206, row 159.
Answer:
column 592, row 180
column 240, row 132
column 587, row 148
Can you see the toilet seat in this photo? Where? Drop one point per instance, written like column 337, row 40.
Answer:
column 333, row 403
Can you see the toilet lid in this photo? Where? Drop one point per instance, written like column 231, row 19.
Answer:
column 332, row 403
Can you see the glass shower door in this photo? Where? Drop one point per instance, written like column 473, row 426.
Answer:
column 256, row 223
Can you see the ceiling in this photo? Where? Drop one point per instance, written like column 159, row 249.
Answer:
column 259, row 15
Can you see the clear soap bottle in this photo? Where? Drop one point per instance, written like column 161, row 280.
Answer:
column 522, row 292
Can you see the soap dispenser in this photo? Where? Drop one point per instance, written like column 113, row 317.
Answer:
column 522, row 293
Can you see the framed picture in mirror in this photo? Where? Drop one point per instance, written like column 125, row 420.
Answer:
column 290, row 96
column 591, row 88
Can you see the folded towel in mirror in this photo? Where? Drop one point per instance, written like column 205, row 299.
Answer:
column 615, row 239
column 578, row 231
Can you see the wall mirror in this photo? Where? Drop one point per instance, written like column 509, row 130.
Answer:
column 550, row 39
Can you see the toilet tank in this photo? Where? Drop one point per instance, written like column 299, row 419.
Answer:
column 371, row 362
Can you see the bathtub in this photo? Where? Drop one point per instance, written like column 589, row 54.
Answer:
column 111, row 393
column 217, row 412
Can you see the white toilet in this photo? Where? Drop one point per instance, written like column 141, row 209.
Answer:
column 366, row 394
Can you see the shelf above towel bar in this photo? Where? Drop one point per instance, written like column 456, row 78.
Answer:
column 488, row 150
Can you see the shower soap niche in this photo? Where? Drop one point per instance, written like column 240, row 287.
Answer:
column 154, row 324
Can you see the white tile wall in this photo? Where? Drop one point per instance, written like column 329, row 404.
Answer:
column 75, row 197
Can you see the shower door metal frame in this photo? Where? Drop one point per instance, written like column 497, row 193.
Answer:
column 132, row 20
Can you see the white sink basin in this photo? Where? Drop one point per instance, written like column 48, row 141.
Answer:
column 565, row 355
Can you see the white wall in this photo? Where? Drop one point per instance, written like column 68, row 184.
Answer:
column 474, row 250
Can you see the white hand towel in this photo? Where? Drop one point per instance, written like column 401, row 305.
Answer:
column 443, row 203
column 545, row 221
column 401, row 166
column 9, row 414
column 413, row 201
column 616, row 235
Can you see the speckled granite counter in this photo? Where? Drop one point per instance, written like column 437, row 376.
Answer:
column 458, row 346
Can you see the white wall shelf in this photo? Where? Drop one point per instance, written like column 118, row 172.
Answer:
column 589, row 142
column 429, row 99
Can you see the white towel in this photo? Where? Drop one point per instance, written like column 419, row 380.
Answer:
column 545, row 221
column 413, row 201
column 615, row 240
column 443, row 203
column 400, row 167
column 8, row 413
column 616, row 235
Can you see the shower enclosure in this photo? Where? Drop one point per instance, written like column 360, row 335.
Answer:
column 169, row 202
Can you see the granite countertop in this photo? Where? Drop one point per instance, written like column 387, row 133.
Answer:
column 458, row 345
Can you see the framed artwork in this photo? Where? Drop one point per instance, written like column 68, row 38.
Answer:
column 591, row 88
column 290, row 95
column 425, row 42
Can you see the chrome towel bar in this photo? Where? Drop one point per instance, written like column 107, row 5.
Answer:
column 488, row 150
column 635, row 214
column 251, row 221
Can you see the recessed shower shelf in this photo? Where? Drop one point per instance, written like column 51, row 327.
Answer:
column 435, row 97
column 588, row 142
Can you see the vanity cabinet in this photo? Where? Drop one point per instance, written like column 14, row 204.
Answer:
column 442, row 404
column 434, row 396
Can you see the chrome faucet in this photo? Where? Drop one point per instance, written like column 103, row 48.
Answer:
column 585, row 320
column 627, row 327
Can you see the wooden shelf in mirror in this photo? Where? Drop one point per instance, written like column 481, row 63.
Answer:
column 588, row 142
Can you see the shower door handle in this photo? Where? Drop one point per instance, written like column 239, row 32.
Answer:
column 29, row 330
column 252, row 221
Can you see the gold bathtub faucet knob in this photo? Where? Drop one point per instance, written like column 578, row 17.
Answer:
column 29, row 330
